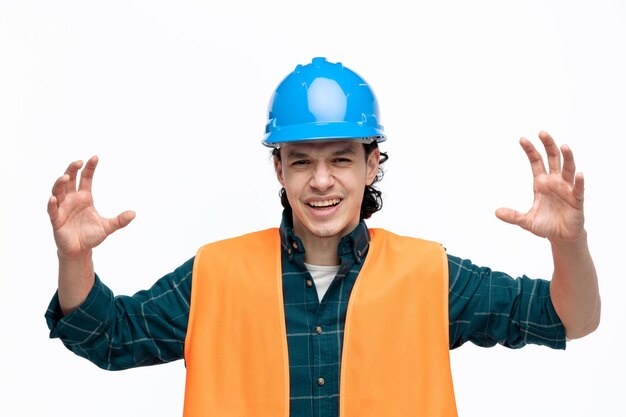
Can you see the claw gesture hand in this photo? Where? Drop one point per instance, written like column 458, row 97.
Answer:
column 557, row 211
column 76, row 224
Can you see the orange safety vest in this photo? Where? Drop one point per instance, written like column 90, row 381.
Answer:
column 395, row 359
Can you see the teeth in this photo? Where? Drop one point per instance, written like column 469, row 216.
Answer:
column 325, row 203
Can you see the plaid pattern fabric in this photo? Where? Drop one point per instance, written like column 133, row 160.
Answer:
column 315, row 327
column 486, row 308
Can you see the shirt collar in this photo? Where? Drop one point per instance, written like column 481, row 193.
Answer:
column 355, row 244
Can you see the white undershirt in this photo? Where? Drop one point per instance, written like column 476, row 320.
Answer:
column 323, row 276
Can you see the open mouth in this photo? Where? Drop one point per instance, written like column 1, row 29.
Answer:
column 324, row 204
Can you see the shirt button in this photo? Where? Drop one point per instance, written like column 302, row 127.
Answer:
column 320, row 381
column 359, row 253
column 309, row 283
column 295, row 245
column 318, row 329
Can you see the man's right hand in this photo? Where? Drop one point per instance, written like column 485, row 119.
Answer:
column 78, row 228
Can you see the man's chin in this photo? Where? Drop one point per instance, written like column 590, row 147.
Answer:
column 325, row 230
column 329, row 232
column 326, row 234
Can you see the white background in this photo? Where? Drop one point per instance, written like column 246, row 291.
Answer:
column 172, row 97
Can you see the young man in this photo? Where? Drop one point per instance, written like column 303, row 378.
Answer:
column 324, row 316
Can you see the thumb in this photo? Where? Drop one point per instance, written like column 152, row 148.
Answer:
column 122, row 220
column 509, row 216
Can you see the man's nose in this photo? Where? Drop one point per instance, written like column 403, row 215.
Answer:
column 322, row 177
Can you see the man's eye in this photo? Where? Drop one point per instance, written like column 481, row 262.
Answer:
column 300, row 162
column 342, row 160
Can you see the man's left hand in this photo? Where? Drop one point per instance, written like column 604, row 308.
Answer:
column 557, row 211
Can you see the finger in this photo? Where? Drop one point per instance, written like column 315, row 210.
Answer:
column 86, row 176
column 59, row 189
column 122, row 220
column 511, row 216
column 53, row 209
column 534, row 157
column 72, row 171
column 579, row 187
column 569, row 166
column 554, row 155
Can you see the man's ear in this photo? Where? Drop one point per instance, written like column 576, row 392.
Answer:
column 372, row 166
column 278, row 167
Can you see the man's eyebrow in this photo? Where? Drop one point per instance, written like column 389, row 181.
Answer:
column 296, row 154
column 344, row 151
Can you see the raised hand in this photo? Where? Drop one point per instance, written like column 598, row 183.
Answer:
column 557, row 211
column 77, row 226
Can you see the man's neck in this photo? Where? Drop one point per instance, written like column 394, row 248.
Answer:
column 321, row 250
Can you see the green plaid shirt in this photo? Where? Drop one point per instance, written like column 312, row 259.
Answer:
column 486, row 308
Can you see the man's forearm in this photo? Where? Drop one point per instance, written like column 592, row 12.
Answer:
column 76, row 279
column 574, row 287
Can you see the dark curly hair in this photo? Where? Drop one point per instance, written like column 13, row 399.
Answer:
column 372, row 198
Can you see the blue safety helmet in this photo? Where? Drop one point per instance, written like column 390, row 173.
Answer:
column 322, row 101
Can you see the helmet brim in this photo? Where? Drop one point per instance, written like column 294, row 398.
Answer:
column 319, row 131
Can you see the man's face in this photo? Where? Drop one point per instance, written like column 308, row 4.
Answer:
column 324, row 182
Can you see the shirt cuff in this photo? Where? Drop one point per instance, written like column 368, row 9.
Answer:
column 549, row 331
column 86, row 321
